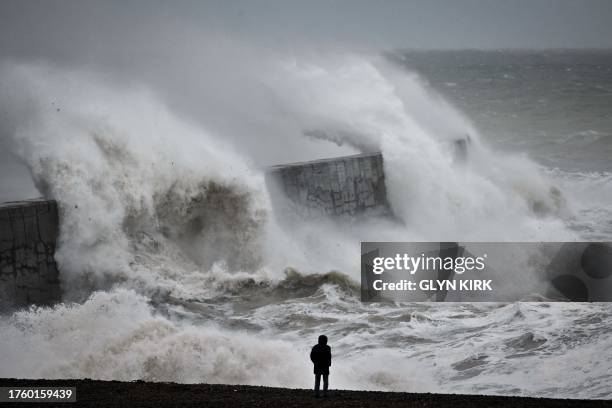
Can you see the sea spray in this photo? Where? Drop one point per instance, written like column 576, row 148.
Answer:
column 143, row 195
column 368, row 103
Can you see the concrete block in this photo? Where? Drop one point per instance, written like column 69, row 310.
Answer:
column 351, row 185
column 28, row 236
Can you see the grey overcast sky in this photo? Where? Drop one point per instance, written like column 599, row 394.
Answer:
column 65, row 27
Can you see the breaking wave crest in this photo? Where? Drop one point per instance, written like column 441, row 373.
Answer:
column 116, row 336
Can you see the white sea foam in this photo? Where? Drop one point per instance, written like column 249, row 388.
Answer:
column 115, row 336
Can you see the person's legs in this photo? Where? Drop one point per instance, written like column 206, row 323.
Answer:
column 325, row 383
column 317, row 383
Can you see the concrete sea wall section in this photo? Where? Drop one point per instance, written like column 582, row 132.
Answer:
column 28, row 236
column 342, row 186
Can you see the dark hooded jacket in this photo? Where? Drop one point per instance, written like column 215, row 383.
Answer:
column 321, row 356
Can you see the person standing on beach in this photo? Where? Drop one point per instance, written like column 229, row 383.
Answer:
column 320, row 355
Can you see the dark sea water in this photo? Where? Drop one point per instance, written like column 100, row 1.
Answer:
column 554, row 105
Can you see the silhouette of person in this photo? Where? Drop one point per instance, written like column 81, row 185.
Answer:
column 320, row 355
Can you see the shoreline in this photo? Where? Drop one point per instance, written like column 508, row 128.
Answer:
column 95, row 393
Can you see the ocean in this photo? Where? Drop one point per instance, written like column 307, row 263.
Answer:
column 175, row 266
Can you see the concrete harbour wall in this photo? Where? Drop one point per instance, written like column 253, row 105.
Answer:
column 350, row 185
column 28, row 272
